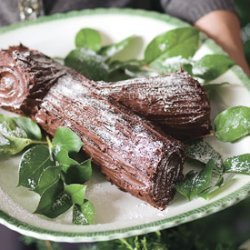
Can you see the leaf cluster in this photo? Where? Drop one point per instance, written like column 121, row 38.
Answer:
column 109, row 63
column 167, row 52
column 59, row 179
column 17, row 133
column 214, row 174
column 48, row 168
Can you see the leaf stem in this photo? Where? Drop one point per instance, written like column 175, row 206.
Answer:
column 50, row 147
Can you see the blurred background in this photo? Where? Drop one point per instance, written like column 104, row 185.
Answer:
column 228, row 229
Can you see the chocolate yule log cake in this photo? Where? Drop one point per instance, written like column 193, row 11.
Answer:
column 176, row 101
column 129, row 150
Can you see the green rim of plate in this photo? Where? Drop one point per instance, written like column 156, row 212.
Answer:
column 213, row 207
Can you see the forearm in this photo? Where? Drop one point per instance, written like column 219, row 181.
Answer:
column 224, row 27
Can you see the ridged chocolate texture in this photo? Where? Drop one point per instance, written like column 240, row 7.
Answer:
column 129, row 151
column 176, row 101
column 26, row 77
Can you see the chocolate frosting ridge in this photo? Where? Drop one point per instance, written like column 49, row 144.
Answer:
column 176, row 101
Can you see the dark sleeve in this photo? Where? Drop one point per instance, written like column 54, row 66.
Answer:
column 192, row 10
column 8, row 12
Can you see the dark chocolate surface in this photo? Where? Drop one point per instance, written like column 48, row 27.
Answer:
column 176, row 101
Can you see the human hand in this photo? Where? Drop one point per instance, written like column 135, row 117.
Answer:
column 224, row 27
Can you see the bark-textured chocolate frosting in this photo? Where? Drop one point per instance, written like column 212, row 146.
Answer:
column 176, row 101
column 129, row 150
column 25, row 81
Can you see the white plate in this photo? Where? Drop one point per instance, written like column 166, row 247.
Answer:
column 118, row 214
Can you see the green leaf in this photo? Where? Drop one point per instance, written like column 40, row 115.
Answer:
column 62, row 156
column 12, row 139
column 196, row 184
column 48, row 177
column 66, row 139
column 210, row 67
column 77, row 193
column 177, row 42
column 132, row 65
column 79, row 173
column 84, row 214
column 88, row 63
column 54, row 201
column 202, row 151
column 208, row 86
column 32, row 130
column 34, row 161
column 88, row 211
column 89, row 39
column 12, row 145
column 64, row 142
column 165, row 64
column 232, row 124
column 238, row 164
column 8, row 121
column 117, row 51
column 14, row 136
column 124, row 70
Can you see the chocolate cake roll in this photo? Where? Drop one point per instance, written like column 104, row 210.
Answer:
column 176, row 101
column 129, row 150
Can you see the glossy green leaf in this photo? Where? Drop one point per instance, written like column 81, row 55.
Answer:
column 12, row 139
column 77, row 193
column 48, row 177
column 32, row 130
column 196, row 184
column 202, row 151
column 15, row 136
column 88, row 63
column 125, row 70
column 132, row 65
column 79, row 173
column 238, row 164
column 232, row 124
column 66, row 139
column 164, row 64
column 62, row 156
column 120, row 50
column 210, row 67
column 89, row 39
column 84, row 214
column 13, row 146
column 8, row 121
column 34, row 161
column 177, row 42
column 54, row 201
column 64, row 142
